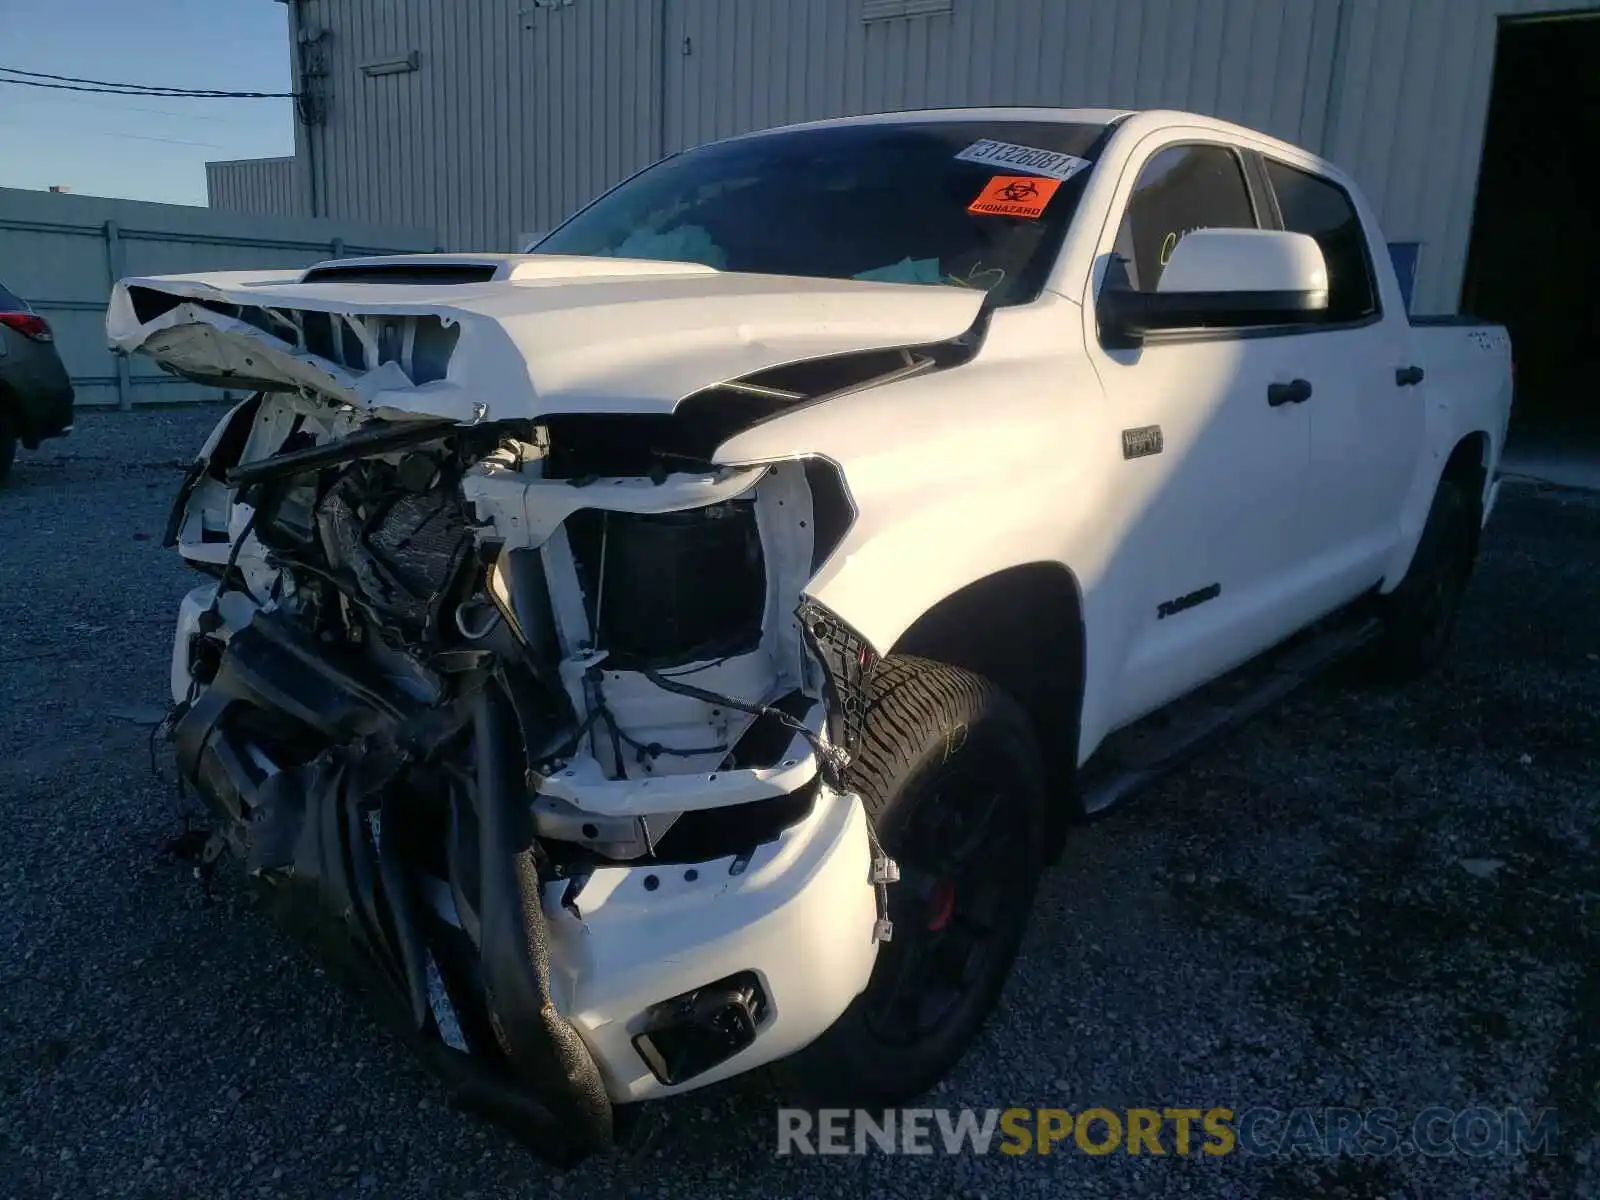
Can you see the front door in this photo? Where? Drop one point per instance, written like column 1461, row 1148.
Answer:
column 1208, row 545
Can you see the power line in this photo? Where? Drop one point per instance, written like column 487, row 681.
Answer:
column 105, row 106
column 144, row 88
column 80, row 79
column 152, row 92
column 106, row 133
column 73, row 83
column 78, row 87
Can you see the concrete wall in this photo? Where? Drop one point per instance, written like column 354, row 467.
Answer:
column 518, row 111
column 259, row 187
column 61, row 254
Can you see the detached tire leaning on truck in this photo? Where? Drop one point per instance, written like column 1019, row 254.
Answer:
column 1420, row 613
column 950, row 774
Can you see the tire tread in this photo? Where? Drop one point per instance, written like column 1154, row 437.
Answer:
column 912, row 702
column 909, row 696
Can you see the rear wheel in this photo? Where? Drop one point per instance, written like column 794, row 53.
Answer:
column 1420, row 613
column 951, row 778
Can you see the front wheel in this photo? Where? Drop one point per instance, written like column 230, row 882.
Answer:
column 1420, row 613
column 951, row 778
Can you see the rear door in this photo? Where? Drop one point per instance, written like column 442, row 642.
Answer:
column 1366, row 416
column 1208, row 496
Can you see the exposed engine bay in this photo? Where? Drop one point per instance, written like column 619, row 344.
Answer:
column 517, row 717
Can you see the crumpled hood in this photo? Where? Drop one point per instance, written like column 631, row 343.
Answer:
column 547, row 334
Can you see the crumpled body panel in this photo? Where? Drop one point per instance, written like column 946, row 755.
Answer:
column 635, row 337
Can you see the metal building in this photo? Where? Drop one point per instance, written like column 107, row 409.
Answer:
column 259, row 187
column 489, row 120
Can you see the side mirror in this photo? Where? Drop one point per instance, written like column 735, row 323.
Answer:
column 1219, row 279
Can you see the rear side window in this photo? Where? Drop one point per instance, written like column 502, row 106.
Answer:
column 1321, row 208
column 11, row 302
column 1181, row 188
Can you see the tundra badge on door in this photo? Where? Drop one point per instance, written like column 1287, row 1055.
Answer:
column 1169, row 608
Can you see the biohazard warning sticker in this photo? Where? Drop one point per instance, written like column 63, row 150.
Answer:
column 1015, row 196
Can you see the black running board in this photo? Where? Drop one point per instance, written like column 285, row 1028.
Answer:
column 1136, row 756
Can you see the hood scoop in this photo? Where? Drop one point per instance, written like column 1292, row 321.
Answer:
column 489, row 268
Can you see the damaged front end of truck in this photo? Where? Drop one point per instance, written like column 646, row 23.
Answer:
column 517, row 690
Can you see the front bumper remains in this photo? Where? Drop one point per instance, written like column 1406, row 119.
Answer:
column 545, row 1000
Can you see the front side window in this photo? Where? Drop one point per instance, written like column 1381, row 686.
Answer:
column 894, row 202
column 1319, row 207
column 1181, row 188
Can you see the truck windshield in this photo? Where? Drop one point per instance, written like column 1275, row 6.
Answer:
column 979, row 204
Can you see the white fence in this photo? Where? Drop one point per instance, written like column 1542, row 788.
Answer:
column 61, row 253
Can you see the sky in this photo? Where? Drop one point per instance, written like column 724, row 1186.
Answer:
column 143, row 149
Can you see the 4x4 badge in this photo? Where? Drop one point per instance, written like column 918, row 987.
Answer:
column 1138, row 443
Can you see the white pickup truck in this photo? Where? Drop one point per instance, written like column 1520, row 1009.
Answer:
column 679, row 648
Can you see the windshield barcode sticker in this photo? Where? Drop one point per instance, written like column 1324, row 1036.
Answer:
column 1053, row 163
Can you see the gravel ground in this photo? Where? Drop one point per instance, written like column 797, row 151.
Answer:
column 1364, row 899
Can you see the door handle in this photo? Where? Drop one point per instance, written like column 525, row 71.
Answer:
column 1408, row 376
column 1296, row 391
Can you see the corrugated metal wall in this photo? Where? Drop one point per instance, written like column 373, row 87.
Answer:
column 443, row 146
column 736, row 65
column 1410, row 105
column 591, row 94
column 268, row 187
column 61, row 254
column 611, row 84
column 520, row 110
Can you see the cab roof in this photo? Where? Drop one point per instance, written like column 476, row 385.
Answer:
column 1063, row 116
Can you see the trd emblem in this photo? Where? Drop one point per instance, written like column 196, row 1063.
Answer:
column 1141, row 442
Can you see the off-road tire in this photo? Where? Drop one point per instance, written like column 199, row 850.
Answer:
column 932, row 731
column 1420, row 613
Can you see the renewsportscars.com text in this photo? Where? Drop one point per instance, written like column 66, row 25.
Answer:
column 1434, row 1132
